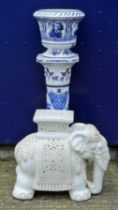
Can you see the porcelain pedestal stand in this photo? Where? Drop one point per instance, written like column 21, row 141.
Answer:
column 58, row 34
column 53, row 159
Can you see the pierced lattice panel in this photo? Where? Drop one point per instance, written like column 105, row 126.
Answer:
column 53, row 165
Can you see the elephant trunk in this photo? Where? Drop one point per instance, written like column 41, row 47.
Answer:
column 100, row 166
column 98, row 175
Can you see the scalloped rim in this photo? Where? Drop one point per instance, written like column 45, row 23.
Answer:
column 59, row 13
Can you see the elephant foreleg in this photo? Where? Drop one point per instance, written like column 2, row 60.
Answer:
column 79, row 191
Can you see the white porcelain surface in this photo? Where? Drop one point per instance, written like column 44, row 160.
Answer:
column 54, row 158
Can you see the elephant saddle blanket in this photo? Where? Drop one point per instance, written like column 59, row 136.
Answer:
column 53, row 171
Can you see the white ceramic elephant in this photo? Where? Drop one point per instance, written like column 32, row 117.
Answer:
column 87, row 144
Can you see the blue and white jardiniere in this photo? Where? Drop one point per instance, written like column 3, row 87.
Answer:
column 58, row 29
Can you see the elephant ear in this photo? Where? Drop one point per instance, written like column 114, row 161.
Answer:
column 78, row 141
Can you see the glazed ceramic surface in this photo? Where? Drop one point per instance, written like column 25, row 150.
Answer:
column 58, row 34
column 58, row 26
column 54, row 158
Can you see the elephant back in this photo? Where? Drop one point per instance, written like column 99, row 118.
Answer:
column 26, row 148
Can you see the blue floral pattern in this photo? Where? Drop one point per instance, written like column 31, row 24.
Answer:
column 58, row 100
column 57, row 52
column 65, row 75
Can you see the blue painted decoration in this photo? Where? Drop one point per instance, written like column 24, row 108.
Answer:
column 65, row 30
column 62, row 76
column 58, row 100
column 56, row 29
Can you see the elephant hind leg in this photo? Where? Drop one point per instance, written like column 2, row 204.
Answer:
column 23, row 187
